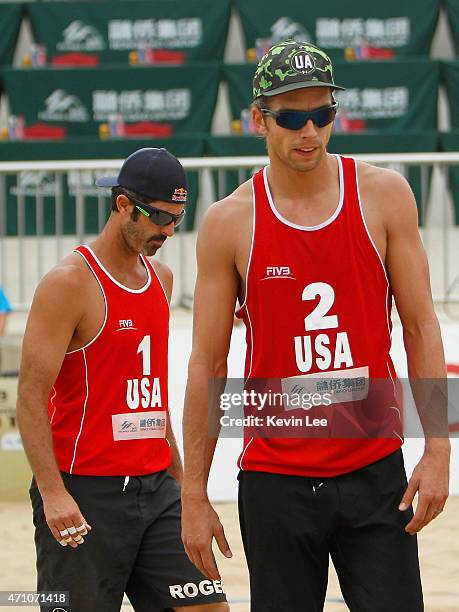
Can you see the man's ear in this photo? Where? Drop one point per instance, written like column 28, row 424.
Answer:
column 258, row 120
column 123, row 204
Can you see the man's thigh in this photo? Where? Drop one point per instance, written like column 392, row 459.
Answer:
column 285, row 524
column 375, row 559
column 163, row 577
column 96, row 572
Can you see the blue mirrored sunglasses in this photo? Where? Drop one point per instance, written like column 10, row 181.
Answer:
column 295, row 119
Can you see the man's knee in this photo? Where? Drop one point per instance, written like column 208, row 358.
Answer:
column 211, row 607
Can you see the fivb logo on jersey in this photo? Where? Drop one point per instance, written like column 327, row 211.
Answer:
column 273, row 272
column 126, row 324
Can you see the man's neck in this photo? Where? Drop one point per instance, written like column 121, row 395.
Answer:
column 288, row 183
column 113, row 252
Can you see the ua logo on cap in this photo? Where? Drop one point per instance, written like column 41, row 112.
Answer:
column 303, row 62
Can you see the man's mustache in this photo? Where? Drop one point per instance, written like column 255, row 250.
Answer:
column 159, row 238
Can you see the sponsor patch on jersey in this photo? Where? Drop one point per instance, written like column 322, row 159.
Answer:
column 348, row 385
column 139, row 425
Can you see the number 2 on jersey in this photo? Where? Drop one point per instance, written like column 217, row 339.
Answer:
column 318, row 319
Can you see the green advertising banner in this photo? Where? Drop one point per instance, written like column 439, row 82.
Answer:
column 10, row 21
column 176, row 31
column 344, row 144
column 44, row 189
column 351, row 29
column 450, row 76
column 174, row 100
column 450, row 143
column 452, row 11
column 396, row 95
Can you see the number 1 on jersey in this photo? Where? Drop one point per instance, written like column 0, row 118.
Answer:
column 144, row 348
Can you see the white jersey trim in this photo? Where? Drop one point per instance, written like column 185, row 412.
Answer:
column 84, row 412
column 244, row 452
column 251, row 251
column 106, row 308
column 305, row 228
column 248, row 376
column 141, row 290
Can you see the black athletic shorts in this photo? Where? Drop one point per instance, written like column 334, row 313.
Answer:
column 291, row 524
column 134, row 547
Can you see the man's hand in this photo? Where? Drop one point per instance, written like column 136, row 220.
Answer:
column 64, row 519
column 430, row 479
column 200, row 524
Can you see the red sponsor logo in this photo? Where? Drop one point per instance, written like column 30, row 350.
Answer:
column 180, row 195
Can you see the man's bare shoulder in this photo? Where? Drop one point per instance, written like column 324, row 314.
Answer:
column 226, row 226
column 382, row 181
column 68, row 278
column 237, row 205
column 164, row 273
column 385, row 189
column 160, row 267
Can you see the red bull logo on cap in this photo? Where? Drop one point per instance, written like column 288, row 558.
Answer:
column 180, row 195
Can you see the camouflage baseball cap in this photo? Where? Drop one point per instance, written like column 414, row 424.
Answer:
column 292, row 65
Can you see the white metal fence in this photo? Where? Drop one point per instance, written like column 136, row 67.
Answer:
column 24, row 258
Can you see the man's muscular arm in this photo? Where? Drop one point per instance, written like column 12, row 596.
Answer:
column 408, row 273
column 55, row 312
column 167, row 280
column 214, row 302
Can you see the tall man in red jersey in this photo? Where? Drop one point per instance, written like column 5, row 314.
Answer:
column 93, row 410
column 313, row 248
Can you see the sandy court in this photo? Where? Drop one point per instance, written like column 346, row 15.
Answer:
column 438, row 545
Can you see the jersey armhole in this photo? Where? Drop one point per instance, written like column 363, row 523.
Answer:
column 252, row 242
column 81, row 348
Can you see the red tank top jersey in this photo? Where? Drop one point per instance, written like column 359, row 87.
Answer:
column 317, row 304
column 109, row 405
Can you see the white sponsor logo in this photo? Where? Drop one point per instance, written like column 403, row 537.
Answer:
column 285, row 28
column 136, row 426
column 140, row 105
column 303, row 62
column 62, row 106
column 190, row 589
column 372, row 103
column 79, row 36
column 338, row 386
column 83, row 181
column 11, row 441
column 29, row 183
column 340, row 33
column 278, row 272
column 157, row 33
column 44, row 183
column 126, row 324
